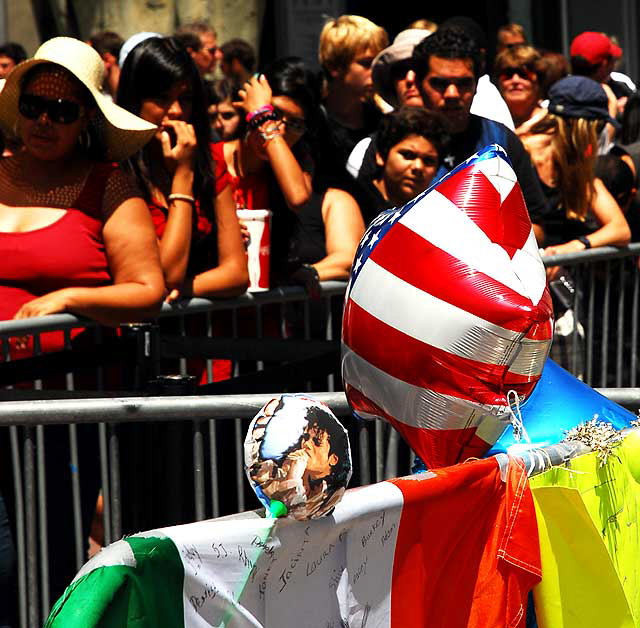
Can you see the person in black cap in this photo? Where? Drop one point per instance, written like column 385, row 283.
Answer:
column 563, row 146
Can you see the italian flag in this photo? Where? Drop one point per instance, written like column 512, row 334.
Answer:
column 456, row 547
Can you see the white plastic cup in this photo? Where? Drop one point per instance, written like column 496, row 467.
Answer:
column 258, row 221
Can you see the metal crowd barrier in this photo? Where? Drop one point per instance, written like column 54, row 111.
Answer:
column 32, row 538
column 601, row 290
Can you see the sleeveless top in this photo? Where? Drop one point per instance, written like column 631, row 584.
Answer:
column 309, row 234
column 558, row 228
column 66, row 253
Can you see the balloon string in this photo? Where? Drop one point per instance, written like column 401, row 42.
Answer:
column 519, row 431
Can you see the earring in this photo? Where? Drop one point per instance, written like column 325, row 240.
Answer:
column 16, row 132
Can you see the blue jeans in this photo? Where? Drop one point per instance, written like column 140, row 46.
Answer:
column 7, row 569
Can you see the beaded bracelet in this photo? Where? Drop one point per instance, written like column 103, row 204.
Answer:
column 263, row 117
column 271, row 132
column 181, row 197
column 264, row 109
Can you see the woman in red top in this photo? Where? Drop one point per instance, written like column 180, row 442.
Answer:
column 57, row 196
column 74, row 236
column 184, row 182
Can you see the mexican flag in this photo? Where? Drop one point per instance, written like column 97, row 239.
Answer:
column 456, row 547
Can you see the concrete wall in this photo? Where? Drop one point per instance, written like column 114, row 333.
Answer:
column 230, row 18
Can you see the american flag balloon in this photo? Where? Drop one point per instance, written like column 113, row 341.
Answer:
column 447, row 311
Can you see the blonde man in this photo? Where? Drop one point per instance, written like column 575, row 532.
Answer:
column 348, row 45
column 510, row 35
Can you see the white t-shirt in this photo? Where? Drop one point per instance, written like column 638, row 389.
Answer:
column 488, row 103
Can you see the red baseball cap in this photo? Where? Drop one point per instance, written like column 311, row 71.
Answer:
column 594, row 47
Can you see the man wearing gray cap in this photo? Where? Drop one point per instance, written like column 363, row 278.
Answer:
column 395, row 85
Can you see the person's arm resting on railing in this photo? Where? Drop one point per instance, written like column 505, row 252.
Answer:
column 230, row 277
column 343, row 227
column 138, row 284
column 614, row 230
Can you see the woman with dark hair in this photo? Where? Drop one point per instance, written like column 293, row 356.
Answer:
column 226, row 118
column 184, row 179
column 272, row 168
column 328, row 227
column 280, row 107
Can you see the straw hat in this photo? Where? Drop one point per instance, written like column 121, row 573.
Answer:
column 124, row 133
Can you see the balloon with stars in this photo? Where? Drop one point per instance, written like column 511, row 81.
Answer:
column 447, row 312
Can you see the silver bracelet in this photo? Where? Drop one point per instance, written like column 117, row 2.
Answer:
column 181, row 197
column 271, row 132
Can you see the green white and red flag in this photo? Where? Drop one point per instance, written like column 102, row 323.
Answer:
column 456, row 547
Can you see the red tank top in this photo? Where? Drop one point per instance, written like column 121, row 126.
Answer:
column 69, row 252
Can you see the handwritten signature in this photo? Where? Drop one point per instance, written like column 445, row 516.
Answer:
column 209, row 592
column 378, row 523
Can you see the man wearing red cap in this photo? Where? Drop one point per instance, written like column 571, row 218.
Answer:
column 593, row 55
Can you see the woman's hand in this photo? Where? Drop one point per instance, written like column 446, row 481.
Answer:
column 181, row 153
column 255, row 93
column 573, row 246
column 244, row 232
column 52, row 303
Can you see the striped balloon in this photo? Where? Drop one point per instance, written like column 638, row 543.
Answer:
column 447, row 310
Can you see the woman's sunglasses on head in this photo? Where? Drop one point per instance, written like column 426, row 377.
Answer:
column 58, row 110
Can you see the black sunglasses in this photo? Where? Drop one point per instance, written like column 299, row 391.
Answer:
column 464, row 84
column 524, row 73
column 400, row 69
column 293, row 123
column 60, row 111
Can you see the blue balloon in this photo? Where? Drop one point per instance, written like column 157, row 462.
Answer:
column 558, row 403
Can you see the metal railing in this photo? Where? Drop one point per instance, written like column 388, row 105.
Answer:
column 601, row 289
column 32, row 538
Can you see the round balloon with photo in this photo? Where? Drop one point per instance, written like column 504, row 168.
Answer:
column 297, row 457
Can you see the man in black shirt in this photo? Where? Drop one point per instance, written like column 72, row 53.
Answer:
column 348, row 45
column 447, row 66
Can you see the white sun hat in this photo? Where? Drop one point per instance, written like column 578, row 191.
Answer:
column 123, row 132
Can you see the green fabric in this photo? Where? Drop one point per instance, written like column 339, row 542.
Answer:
column 146, row 596
column 611, row 495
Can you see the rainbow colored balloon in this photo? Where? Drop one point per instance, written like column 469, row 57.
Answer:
column 447, row 310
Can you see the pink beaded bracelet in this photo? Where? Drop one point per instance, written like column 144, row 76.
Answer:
column 257, row 112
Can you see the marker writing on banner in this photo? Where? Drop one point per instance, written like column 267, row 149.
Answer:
column 386, row 535
column 314, row 564
column 286, row 574
column 193, row 558
column 378, row 523
column 209, row 592
column 361, row 571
